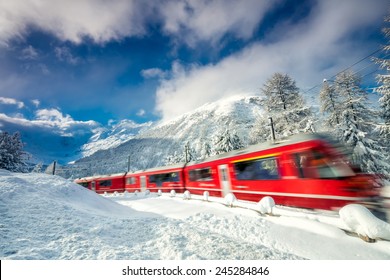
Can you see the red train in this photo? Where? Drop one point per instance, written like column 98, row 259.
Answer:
column 304, row 171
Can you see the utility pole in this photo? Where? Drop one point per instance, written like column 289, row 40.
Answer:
column 128, row 163
column 271, row 123
column 54, row 167
column 186, row 152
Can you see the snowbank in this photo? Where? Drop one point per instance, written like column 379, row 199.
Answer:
column 361, row 221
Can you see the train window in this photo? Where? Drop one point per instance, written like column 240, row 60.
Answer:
column 105, row 183
column 165, row 177
column 259, row 169
column 130, row 181
column 174, row 177
column 316, row 164
column 202, row 174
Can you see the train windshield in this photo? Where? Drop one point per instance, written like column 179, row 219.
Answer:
column 84, row 184
column 317, row 164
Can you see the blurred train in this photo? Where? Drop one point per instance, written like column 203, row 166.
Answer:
column 305, row 171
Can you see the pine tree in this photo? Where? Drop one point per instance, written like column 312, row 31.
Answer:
column 174, row 158
column 356, row 123
column 227, row 142
column 205, row 151
column 12, row 155
column 38, row 168
column 283, row 102
column 384, row 90
column 330, row 104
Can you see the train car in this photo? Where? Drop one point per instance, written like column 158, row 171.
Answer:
column 304, row 171
column 166, row 179
column 104, row 183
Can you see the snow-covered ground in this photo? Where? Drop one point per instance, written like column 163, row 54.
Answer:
column 46, row 217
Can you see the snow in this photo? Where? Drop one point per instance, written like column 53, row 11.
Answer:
column 47, row 217
column 360, row 220
column 266, row 204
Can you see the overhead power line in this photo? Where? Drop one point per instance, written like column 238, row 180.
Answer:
column 352, row 65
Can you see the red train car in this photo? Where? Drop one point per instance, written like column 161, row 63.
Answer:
column 104, row 183
column 305, row 171
column 161, row 178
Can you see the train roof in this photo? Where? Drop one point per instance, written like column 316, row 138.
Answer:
column 298, row 138
column 160, row 168
column 101, row 176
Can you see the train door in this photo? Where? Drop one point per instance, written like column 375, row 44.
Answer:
column 143, row 183
column 224, row 179
column 93, row 186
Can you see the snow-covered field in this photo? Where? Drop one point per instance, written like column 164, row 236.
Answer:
column 48, row 218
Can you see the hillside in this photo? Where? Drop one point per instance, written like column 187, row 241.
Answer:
column 151, row 146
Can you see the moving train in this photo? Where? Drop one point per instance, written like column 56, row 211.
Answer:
column 305, row 171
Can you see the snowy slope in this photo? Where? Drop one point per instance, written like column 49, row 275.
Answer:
column 151, row 146
column 112, row 136
column 47, row 217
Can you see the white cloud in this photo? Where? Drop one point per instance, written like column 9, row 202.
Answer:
column 51, row 120
column 36, row 102
column 317, row 48
column 29, row 53
column 71, row 20
column 11, row 101
column 52, row 115
column 195, row 20
column 141, row 113
column 64, row 54
column 102, row 21
column 153, row 73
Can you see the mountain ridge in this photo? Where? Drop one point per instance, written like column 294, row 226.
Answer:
column 151, row 146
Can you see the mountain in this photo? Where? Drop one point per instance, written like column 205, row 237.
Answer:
column 112, row 136
column 65, row 140
column 154, row 144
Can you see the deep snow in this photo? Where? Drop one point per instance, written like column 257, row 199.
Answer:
column 48, row 217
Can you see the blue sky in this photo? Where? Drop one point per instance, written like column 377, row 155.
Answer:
column 73, row 63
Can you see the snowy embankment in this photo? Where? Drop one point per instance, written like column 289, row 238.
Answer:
column 47, row 217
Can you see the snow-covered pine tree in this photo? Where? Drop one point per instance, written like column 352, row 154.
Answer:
column 12, row 155
column 283, row 102
column 330, row 104
column 260, row 132
column 38, row 168
column 174, row 158
column 227, row 142
column 205, row 151
column 357, row 123
column 384, row 90
column 186, row 155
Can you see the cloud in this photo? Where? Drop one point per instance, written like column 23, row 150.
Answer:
column 36, row 102
column 310, row 50
column 72, row 20
column 153, row 73
column 29, row 53
column 102, row 21
column 141, row 113
column 204, row 20
column 64, row 54
column 11, row 101
column 51, row 120
column 52, row 115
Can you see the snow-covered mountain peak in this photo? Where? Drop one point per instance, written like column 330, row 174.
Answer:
column 113, row 135
column 154, row 144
